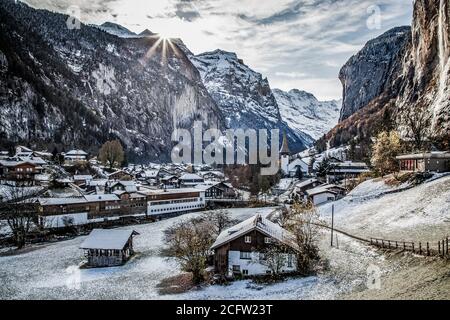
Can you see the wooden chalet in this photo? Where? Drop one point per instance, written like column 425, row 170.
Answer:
column 436, row 161
column 239, row 250
column 19, row 172
column 108, row 248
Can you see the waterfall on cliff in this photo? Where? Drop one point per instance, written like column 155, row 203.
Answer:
column 444, row 60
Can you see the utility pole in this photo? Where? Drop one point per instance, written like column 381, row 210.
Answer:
column 332, row 223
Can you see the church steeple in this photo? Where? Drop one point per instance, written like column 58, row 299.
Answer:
column 285, row 146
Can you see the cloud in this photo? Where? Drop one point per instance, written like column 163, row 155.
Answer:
column 292, row 75
column 290, row 41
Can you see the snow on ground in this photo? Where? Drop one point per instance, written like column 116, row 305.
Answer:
column 284, row 183
column 347, row 272
column 418, row 214
column 373, row 188
column 51, row 271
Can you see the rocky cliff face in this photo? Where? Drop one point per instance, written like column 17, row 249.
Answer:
column 426, row 65
column 244, row 96
column 373, row 70
column 303, row 112
column 399, row 74
column 79, row 88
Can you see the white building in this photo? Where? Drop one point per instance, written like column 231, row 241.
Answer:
column 173, row 201
column 75, row 156
column 324, row 193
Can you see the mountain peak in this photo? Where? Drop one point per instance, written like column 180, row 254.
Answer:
column 302, row 111
column 116, row 30
column 147, row 33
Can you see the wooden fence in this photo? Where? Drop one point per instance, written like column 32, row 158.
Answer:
column 425, row 249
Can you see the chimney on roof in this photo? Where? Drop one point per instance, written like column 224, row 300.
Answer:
column 258, row 219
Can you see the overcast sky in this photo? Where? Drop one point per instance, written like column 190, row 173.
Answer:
column 295, row 43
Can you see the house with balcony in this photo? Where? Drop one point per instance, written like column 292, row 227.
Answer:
column 15, row 171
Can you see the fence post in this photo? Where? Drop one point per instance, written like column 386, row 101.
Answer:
column 413, row 247
column 404, row 246
column 428, row 249
column 420, row 247
column 396, row 245
column 447, row 246
column 382, row 243
column 439, row 247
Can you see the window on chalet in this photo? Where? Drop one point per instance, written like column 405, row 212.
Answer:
column 245, row 272
column 245, row 255
column 267, row 240
column 248, row 239
column 290, row 261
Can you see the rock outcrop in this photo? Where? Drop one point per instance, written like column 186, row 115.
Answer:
column 373, row 70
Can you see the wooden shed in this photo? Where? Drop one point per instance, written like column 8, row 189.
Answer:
column 108, row 248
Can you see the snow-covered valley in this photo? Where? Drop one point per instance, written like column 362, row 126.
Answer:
column 50, row 271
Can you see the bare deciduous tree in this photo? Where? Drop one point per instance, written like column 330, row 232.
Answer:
column 274, row 257
column 18, row 208
column 219, row 220
column 111, row 154
column 304, row 225
column 189, row 243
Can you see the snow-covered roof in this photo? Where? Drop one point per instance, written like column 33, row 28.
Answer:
column 76, row 153
column 147, row 191
column 430, row 155
column 297, row 162
column 306, row 183
column 12, row 162
column 101, row 197
column 43, row 154
column 215, row 173
column 107, row 239
column 116, row 172
column 42, row 177
column 60, row 201
column 206, row 186
column 258, row 223
column 150, row 173
column 82, row 177
column 94, row 183
column 34, row 160
column 321, row 189
column 130, row 186
column 350, row 164
column 23, row 149
column 190, row 176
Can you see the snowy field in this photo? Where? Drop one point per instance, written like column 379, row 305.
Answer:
column 51, row 272
column 418, row 214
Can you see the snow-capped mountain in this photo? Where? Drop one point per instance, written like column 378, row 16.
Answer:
column 243, row 95
column 81, row 87
column 303, row 112
column 116, row 30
